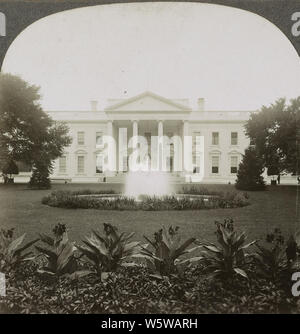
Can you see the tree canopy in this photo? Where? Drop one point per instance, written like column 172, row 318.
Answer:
column 275, row 132
column 27, row 133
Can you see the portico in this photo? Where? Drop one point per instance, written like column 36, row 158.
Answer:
column 154, row 136
column 149, row 118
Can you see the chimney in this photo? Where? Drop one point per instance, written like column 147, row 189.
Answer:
column 94, row 105
column 201, row 104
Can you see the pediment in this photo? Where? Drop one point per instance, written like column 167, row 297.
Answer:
column 147, row 102
column 234, row 152
column 215, row 152
column 80, row 152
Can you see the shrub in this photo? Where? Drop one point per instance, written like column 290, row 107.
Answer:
column 11, row 252
column 199, row 190
column 228, row 258
column 249, row 176
column 40, row 178
column 167, row 249
column 233, row 200
column 279, row 259
column 10, row 169
column 111, row 250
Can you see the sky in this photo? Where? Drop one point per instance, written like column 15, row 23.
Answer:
column 234, row 59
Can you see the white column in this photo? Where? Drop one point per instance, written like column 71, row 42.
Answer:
column 111, row 148
column 160, row 154
column 187, row 148
column 135, row 133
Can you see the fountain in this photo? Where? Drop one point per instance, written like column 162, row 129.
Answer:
column 140, row 185
column 147, row 184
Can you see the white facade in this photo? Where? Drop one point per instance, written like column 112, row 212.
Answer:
column 149, row 115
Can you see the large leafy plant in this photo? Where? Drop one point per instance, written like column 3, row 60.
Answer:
column 110, row 250
column 12, row 253
column 277, row 259
column 271, row 260
column 167, row 248
column 59, row 253
column 228, row 257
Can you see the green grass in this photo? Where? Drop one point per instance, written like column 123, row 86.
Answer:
column 21, row 208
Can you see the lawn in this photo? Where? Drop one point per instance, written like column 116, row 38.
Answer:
column 21, row 208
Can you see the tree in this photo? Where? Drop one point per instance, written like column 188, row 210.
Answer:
column 27, row 133
column 10, row 169
column 275, row 132
column 249, row 175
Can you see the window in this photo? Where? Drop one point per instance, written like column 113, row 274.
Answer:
column 80, row 164
column 62, row 164
column 234, row 138
column 233, row 165
column 99, row 163
column 80, row 138
column 99, row 139
column 215, row 138
column 215, row 164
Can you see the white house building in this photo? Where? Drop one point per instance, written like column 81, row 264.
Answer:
column 150, row 115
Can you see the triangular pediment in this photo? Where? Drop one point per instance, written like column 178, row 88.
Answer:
column 147, row 102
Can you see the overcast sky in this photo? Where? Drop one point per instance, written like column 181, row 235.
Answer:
column 236, row 60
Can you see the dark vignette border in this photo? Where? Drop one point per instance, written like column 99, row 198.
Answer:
column 21, row 13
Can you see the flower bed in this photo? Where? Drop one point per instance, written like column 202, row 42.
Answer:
column 108, row 273
column 110, row 201
column 133, row 290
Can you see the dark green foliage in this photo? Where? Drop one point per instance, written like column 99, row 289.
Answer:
column 40, row 177
column 59, row 253
column 73, row 200
column 10, row 168
column 27, row 133
column 199, row 190
column 167, row 249
column 275, row 133
column 133, row 290
column 228, row 258
column 110, row 250
column 249, row 176
column 12, row 253
column 277, row 259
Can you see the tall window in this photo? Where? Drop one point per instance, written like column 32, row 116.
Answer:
column 80, row 138
column 234, row 138
column 215, row 138
column 99, row 139
column 80, row 164
column 62, row 164
column 215, row 164
column 99, row 163
column 233, row 165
